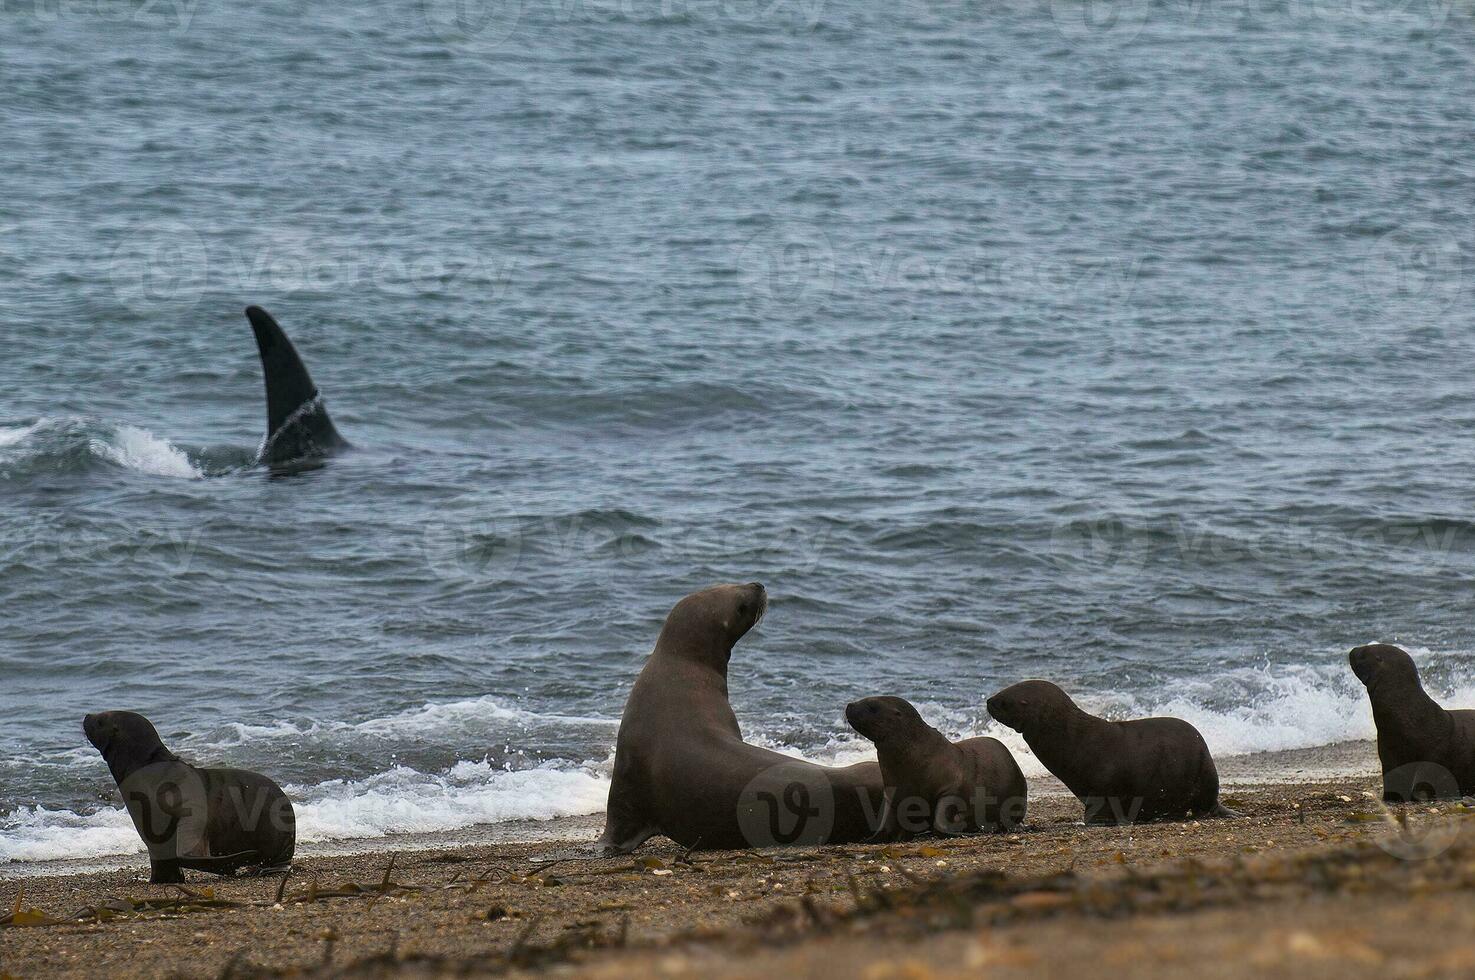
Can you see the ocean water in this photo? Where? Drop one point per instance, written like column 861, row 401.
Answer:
column 1126, row 345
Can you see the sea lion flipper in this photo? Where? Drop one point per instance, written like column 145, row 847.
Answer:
column 622, row 843
column 1224, row 813
column 625, row 826
column 889, row 828
column 165, row 873
column 950, row 812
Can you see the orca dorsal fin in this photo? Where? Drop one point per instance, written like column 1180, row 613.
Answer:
column 297, row 422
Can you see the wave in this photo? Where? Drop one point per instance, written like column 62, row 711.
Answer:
column 9, row 436
column 77, row 443
column 399, row 801
column 38, row 834
column 403, row 801
column 138, row 449
column 1241, row 712
column 428, row 720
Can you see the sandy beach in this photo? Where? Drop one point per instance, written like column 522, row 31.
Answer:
column 1314, row 879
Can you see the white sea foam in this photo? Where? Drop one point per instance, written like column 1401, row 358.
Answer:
column 1240, row 712
column 13, row 436
column 399, row 801
column 124, row 445
column 141, row 450
column 403, row 801
column 428, row 720
column 39, row 834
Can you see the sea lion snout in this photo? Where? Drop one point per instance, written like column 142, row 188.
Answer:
column 1360, row 661
column 998, row 708
column 881, row 717
column 110, row 729
column 1373, row 660
column 760, row 597
column 1028, row 703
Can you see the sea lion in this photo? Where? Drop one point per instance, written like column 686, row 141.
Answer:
column 683, row 770
column 298, row 429
column 1121, row 771
column 933, row 784
column 214, row 820
column 1427, row 752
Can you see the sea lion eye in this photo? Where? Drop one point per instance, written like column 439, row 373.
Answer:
column 743, row 609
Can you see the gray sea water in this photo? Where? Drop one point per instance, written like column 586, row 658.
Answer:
column 1124, row 344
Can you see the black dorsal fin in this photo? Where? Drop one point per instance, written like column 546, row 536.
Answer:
column 297, row 422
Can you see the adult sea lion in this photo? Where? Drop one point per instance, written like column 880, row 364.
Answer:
column 933, row 784
column 1427, row 752
column 1121, row 771
column 298, row 428
column 215, row 820
column 683, row 770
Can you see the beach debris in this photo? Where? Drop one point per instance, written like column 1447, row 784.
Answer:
column 21, row 917
column 519, row 945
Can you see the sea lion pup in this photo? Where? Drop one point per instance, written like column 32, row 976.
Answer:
column 933, row 784
column 1121, row 771
column 683, row 770
column 215, row 820
column 1427, row 752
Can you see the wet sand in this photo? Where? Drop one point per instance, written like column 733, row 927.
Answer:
column 1314, row 879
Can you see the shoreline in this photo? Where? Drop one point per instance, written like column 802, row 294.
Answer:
column 516, row 907
column 1279, row 768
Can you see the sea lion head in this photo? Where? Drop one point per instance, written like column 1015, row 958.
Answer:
column 1030, row 705
column 705, row 625
column 883, row 719
column 126, row 739
column 1382, row 663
